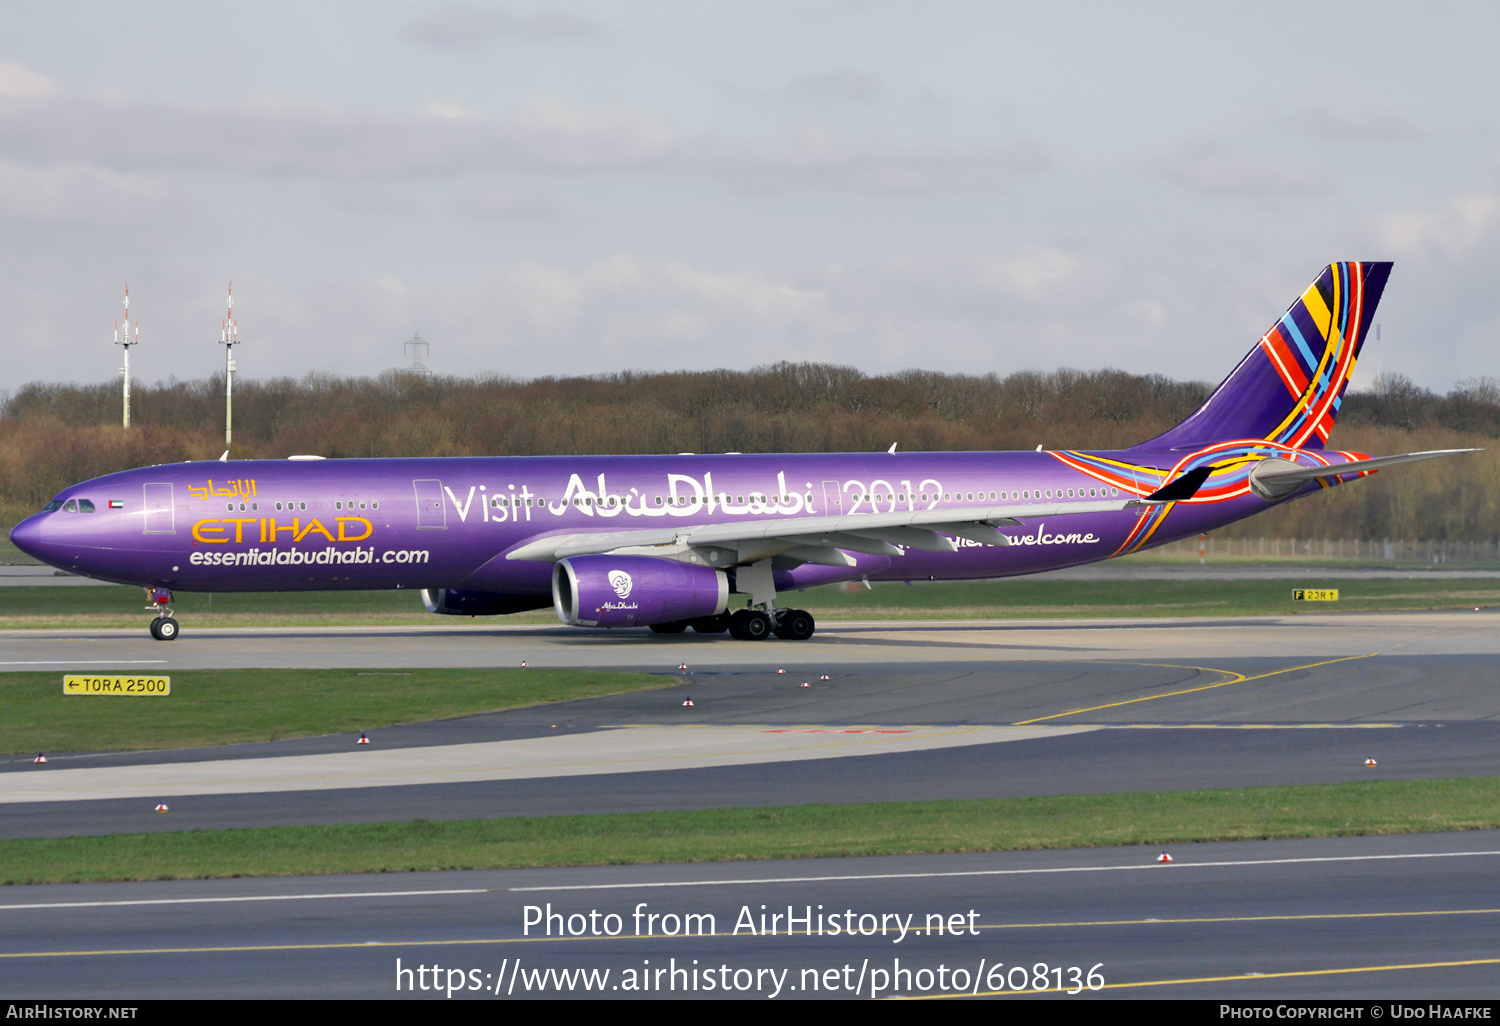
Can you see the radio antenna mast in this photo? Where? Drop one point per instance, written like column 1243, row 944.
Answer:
column 127, row 342
column 229, row 337
column 417, row 347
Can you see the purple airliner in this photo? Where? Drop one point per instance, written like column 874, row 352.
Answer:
column 665, row 541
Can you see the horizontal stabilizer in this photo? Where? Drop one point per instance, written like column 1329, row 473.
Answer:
column 1277, row 478
column 1184, row 487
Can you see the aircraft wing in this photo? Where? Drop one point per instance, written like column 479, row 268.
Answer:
column 819, row 539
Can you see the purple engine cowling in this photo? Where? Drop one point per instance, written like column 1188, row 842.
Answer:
column 635, row 591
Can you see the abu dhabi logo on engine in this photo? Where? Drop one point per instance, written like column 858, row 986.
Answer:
column 621, row 582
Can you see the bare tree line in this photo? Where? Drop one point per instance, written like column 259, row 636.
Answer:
column 52, row 435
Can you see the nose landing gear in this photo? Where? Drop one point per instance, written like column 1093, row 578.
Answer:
column 163, row 628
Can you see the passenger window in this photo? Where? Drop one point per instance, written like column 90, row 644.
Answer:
column 229, row 507
column 85, row 506
column 374, row 504
column 301, row 505
column 278, row 507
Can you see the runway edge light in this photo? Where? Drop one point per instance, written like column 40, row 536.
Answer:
column 162, row 807
column 1370, row 763
column 1163, row 857
column 362, row 739
column 40, row 759
column 687, row 703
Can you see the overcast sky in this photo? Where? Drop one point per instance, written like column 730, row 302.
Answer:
column 585, row 187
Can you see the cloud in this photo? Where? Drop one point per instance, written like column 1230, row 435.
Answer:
column 79, row 194
column 455, row 26
column 815, row 158
column 551, row 133
column 860, row 87
column 17, row 81
column 278, row 136
column 1215, row 175
column 973, row 312
column 1376, row 126
column 498, row 203
column 1451, row 232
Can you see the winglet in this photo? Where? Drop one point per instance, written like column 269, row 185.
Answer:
column 892, row 449
column 224, row 458
column 1185, row 486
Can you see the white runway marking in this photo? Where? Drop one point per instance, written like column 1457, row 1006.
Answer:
column 617, row 750
column 1157, row 867
column 248, row 897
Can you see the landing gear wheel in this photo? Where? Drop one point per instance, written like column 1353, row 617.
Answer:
column 717, row 624
column 796, row 625
column 164, row 628
column 670, row 627
column 155, row 625
column 750, row 625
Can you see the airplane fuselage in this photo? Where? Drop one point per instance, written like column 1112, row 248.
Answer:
column 288, row 525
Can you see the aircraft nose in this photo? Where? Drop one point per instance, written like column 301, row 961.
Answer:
column 27, row 536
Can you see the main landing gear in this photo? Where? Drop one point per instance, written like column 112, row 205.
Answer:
column 748, row 624
column 163, row 628
column 757, row 625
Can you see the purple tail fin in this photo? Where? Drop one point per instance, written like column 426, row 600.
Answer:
column 1289, row 387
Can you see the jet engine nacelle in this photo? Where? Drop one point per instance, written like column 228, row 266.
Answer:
column 452, row 602
column 635, row 591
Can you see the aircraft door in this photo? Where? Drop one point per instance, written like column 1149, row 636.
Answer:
column 160, row 513
column 432, row 515
column 833, row 499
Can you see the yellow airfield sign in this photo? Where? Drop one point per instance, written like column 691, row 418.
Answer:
column 79, row 684
column 1315, row 594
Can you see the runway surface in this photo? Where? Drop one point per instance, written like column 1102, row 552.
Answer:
column 843, row 645
column 1400, row 917
column 619, row 750
column 989, row 709
column 1140, row 726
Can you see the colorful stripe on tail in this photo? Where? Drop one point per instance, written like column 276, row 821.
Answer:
column 1288, row 389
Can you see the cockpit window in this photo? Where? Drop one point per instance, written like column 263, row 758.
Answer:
column 85, row 506
column 54, row 504
column 71, row 506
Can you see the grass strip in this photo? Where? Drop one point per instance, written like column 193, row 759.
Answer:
column 216, row 707
column 800, row 831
